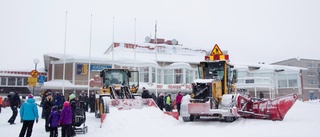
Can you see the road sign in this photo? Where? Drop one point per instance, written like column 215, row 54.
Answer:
column 34, row 73
column 216, row 50
column 32, row 81
column 41, row 79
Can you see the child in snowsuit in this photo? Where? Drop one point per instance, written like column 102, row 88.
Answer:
column 65, row 120
column 53, row 121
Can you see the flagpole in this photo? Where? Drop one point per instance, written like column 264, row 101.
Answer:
column 89, row 71
column 156, row 41
column 112, row 43
column 135, row 34
column 64, row 52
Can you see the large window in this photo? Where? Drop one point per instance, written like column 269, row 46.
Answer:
column 293, row 80
column 154, row 75
column 25, row 81
column 3, row 81
column 11, row 81
column 144, row 74
column 178, row 76
column 168, row 76
column 311, row 82
column 310, row 65
column 189, row 76
column 19, row 81
column 282, row 81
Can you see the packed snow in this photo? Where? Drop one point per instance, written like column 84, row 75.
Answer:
column 303, row 119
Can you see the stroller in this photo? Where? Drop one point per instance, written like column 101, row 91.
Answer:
column 79, row 124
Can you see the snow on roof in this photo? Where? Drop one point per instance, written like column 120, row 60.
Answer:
column 262, row 67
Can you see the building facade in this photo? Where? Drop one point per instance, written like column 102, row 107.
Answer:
column 310, row 76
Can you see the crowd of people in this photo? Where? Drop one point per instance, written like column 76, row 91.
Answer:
column 164, row 102
column 58, row 111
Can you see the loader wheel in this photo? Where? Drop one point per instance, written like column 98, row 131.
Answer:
column 185, row 119
column 191, row 117
column 229, row 119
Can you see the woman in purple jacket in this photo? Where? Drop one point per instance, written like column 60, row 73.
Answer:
column 53, row 121
column 66, row 120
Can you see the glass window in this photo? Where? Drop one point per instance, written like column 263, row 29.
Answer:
column 3, row 81
column 159, row 76
column 282, row 83
column 189, row 76
column 293, row 80
column 25, row 81
column 154, row 75
column 144, row 74
column 310, row 65
column 168, row 76
column 19, row 81
column 311, row 82
column 178, row 76
column 11, row 81
column 242, row 74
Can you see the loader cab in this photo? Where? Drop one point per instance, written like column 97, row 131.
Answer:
column 121, row 77
column 218, row 71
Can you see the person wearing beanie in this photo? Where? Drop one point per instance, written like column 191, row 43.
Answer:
column 53, row 121
column 65, row 120
column 28, row 114
column 47, row 106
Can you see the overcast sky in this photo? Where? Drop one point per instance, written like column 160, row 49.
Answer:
column 251, row 30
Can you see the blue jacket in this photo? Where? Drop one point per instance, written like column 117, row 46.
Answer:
column 29, row 110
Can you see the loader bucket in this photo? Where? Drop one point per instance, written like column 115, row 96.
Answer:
column 126, row 104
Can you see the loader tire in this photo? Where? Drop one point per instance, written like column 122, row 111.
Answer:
column 191, row 117
column 229, row 119
column 185, row 119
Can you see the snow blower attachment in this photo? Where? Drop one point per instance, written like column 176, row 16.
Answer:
column 272, row 109
column 214, row 95
column 120, row 87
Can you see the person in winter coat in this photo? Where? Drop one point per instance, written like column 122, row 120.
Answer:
column 92, row 100
column 65, row 120
column 53, row 121
column 1, row 100
column 160, row 102
column 145, row 93
column 178, row 101
column 168, row 103
column 82, row 100
column 58, row 100
column 15, row 101
column 28, row 113
column 47, row 106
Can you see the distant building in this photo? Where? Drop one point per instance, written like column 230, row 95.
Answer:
column 17, row 81
column 310, row 76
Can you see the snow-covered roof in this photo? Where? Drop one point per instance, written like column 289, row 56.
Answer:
column 267, row 67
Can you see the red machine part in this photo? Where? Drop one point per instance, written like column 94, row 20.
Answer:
column 273, row 109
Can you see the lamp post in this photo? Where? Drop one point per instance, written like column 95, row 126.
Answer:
column 35, row 61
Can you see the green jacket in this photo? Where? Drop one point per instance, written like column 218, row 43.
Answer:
column 168, row 100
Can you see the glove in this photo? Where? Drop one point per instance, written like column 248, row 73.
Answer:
column 21, row 121
column 36, row 120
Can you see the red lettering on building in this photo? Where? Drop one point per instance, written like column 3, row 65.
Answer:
column 95, row 82
column 174, row 86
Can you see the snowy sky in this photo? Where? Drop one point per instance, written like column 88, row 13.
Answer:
column 252, row 31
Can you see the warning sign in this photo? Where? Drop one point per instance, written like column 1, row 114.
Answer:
column 216, row 50
column 34, row 73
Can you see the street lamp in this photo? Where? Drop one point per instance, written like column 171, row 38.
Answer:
column 35, row 61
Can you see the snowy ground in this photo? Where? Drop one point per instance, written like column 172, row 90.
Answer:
column 303, row 120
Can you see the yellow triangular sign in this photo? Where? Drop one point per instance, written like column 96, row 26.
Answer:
column 216, row 50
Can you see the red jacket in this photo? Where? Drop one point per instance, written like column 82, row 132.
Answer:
column 179, row 98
